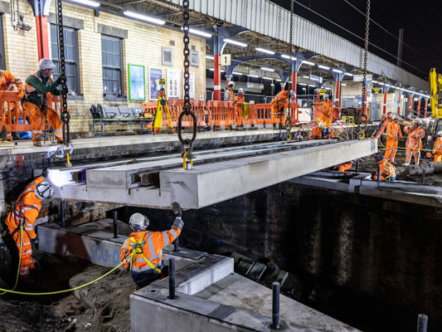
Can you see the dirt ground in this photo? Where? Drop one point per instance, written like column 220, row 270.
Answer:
column 102, row 306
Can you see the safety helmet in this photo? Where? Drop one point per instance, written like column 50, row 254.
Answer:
column 45, row 63
column 292, row 93
column 44, row 190
column 439, row 133
column 379, row 157
column 395, row 117
column 138, row 222
column 231, row 83
column 325, row 96
column 240, row 90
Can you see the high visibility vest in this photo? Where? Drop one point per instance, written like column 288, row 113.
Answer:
column 281, row 97
column 437, row 147
column 29, row 89
column 26, row 209
column 8, row 82
column 394, row 131
column 387, row 169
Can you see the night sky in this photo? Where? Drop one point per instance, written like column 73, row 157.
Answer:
column 421, row 21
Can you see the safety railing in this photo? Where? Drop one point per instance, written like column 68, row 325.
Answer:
column 13, row 117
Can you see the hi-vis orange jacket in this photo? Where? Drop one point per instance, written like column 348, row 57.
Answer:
column 8, row 81
column 151, row 245
column 27, row 208
column 281, row 97
column 387, row 169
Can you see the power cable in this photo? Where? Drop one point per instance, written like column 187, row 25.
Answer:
column 357, row 36
column 380, row 26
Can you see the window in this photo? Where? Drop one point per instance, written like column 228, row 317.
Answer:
column 194, row 59
column 112, row 65
column 166, row 56
column 70, row 54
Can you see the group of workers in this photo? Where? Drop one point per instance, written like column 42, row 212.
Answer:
column 141, row 252
column 33, row 99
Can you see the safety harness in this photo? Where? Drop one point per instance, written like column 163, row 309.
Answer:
column 138, row 250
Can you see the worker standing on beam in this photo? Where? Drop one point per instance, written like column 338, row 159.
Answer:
column 36, row 87
column 393, row 134
column 142, row 251
column 437, row 148
column 229, row 94
column 414, row 143
column 386, row 169
column 20, row 221
column 8, row 82
column 277, row 104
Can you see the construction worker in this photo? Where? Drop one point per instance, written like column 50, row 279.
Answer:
column 277, row 104
column 414, row 143
column 20, row 221
column 316, row 132
column 437, row 148
column 387, row 170
column 393, row 134
column 240, row 98
column 343, row 168
column 36, row 87
column 142, row 251
column 8, row 82
column 229, row 95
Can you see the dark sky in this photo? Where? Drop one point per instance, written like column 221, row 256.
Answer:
column 420, row 19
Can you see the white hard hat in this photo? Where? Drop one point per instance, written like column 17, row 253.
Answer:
column 45, row 63
column 240, row 90
column 292, row 93
column 138, row 222
column 439, row 133
column 231, row 83
column 44, row 190
column 395, row 117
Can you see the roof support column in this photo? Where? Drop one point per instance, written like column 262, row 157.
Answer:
column 218, row 42
column 399, row 99
column 410, row 105
column 295, row 68
column 41, row 11
column 337, row 85
column 419, row 107
column 425, row 107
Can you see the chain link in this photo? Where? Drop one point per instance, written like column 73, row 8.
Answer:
column 367, row 38
column 65, row 116
column 187, row 144
column 288, row 124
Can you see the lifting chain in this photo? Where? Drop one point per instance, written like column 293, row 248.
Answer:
column 65, row 116
column 288, row 122
column 364, row 80
column 187, row 144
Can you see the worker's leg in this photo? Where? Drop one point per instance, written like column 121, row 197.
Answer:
column 393, row 151
column 388, row 149
column 37, row 120
column 54, row 121
column 25, row 253
column 417, row 157
column 143, row 279
column 407, row 156
column 274, row 114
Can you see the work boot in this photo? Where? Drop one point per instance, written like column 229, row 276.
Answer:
column 37, row 143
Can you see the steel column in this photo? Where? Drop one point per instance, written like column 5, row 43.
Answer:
column 425, row 107
column 419, row 108
column 41, row 23
column 337, row 94
column 384, row 110
column 399, row 104
column 216, row 77
column 410, row 105
column 295, row 83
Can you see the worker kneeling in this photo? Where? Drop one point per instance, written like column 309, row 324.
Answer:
column 387, row 170
column 142, row 251
column 20, row 221
column 34, row 103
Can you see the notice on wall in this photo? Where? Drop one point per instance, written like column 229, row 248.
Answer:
column 136, row 82
column 191, row 85
column 173, row 83
column 155, row 74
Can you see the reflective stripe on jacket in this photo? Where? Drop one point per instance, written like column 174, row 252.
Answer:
column 387, row 169
column 281, row 97
column 151, row 243
column 394, row 131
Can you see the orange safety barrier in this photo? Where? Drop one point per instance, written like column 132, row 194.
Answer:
column 221, row 113
column 11, row 111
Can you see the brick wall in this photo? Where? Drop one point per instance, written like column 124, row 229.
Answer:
column 142, row 46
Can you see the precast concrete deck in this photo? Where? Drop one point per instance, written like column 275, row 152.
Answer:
column 217, row 175
column 210, row 296
column 402, row 191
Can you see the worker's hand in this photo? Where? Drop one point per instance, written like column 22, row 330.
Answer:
column 64, row 91
column 177, row 210
column 60, row 79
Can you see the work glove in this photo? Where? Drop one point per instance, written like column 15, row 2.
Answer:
column 60, row 79
column 34, row 243
column 177, row 210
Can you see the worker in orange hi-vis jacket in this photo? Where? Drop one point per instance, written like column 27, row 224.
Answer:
column 277, row 104
column 437, row 148
column 343, row 168
column 229, row 94
column 387, row 170
column 142, row 251
column 316, row 132
column 393, row 134
column 8, row 82
column 37, row 86
column 20, row 221
column 414, row 143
